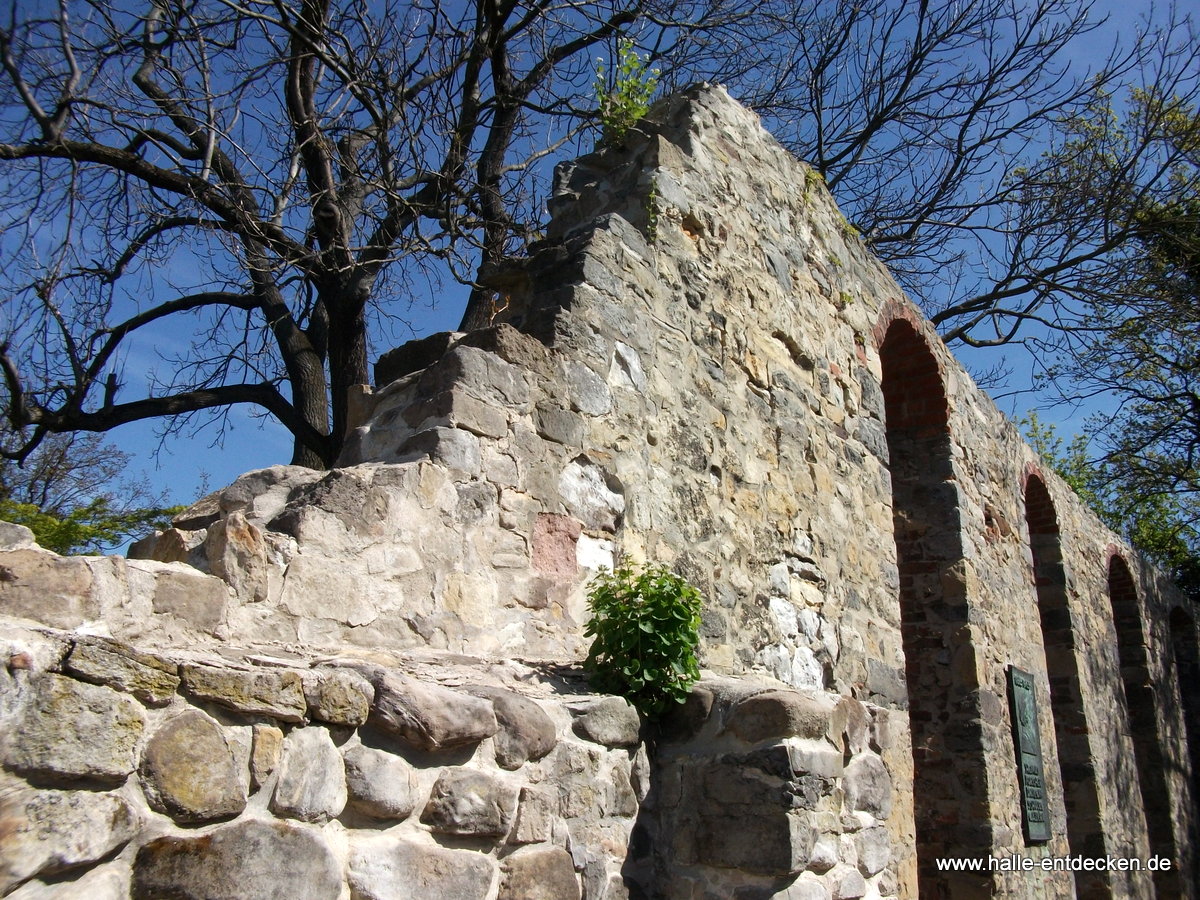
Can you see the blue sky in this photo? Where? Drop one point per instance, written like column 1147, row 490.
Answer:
column 180, row 464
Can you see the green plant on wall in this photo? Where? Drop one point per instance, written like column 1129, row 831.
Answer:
column 624, row 96
column 646, row 627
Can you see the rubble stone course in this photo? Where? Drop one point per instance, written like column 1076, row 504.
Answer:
column 364, row 683
column 215, row 800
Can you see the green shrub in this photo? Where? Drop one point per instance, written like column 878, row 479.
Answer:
column 627, row 98
column 93, row 528
column 646, row 628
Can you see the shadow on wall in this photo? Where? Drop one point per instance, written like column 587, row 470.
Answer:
column 950, row 771
column 1085, row 833
column 1141, row 707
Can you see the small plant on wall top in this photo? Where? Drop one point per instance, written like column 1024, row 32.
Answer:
column 624, row 96
column 646, row 627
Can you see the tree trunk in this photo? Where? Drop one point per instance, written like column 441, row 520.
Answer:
column 347, row 357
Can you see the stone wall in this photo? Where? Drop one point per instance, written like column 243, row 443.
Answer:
column 236, row 773
column 702, row 365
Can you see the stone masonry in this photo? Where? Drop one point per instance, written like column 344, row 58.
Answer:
column 364, row 682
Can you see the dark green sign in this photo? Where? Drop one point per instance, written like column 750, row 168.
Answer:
column 1035, row 813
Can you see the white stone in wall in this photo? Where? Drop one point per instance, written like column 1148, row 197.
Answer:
column 384, row 867
column 105, row 883
column 626, row 370
column 380, row 784
column 806, row 671
column 46, row 832
column 585, row 491
column 312, row 777
column 594, row 553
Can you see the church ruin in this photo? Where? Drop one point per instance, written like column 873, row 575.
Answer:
column 929, row 668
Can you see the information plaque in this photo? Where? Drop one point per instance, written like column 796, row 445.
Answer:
column 1035, row 816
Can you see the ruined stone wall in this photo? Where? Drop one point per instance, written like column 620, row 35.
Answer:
column 702, row 365
column 231, row 773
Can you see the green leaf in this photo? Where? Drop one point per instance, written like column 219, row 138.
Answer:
column 645, row 629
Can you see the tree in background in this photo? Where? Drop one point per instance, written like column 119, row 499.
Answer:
column 73, row 494
column 251, row 178
column 1139, row 346
column 264, row 173
column 1162, row 525
column 929, row 121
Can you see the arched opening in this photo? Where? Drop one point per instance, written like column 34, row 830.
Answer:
column 949, row 772
column 1132, row 653
column 1187, row 670
column 1085, row 834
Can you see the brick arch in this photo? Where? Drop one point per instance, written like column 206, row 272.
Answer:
column 949, row 769
column 1141, row 705
column 1081, row 796
column 895, row 310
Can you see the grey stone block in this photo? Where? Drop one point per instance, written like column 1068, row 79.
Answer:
column 251, row 858
column 189, row 771
column 428, row 716
column 72, row 730
column 380, row 784
column 312, row 778
column 470, row 802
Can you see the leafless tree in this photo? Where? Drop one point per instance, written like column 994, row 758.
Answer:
column 243, row 179
column 252, row 183
column 937, row 124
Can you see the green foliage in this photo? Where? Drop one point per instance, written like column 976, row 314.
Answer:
column 1159, row 524
column 1139, row 344
column 73, row 493
column 623, row 95
column 645, row 626
column 85, row 529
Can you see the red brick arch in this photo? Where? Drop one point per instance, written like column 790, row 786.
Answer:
column 943, row 700
column 1081, row 796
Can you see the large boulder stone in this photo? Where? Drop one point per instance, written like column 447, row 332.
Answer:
column 262, row 494
column 312, row 778
column 389, row 868
column 279, row 694
column 539, row 873
column 251, row 858
column 380, row 784
column 776, row 714
column 428, row 716
column 48, row 832
column 189, row 771
column 470, row 802
column 73, row 730
column 611, row 721
column 526, row 731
